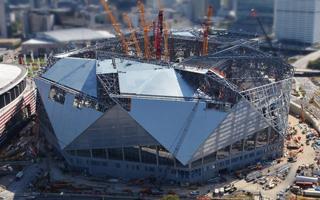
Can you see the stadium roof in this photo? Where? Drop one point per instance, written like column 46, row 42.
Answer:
column 76, row 73
column 74, row 34
column 9, row 76
column 146, row 79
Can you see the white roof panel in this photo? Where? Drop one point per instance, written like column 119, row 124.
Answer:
column 183, row 33
column 74, row 34
column 106, row 67
column 9, row 76
column 146, row 79
column 8, row 73
column 164, row 82
column 76, row 73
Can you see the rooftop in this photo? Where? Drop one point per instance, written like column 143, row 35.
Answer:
column 9, row 76
column 74, row 34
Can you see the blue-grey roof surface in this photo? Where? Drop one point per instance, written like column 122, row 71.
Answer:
column 165, row 121
column 67, row 121
column 74, row 34
column 76, row 73
column 146, row 79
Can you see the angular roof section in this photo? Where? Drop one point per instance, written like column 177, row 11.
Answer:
column 116, row 128
column 76, row 73
column 74, row 120
column 165, row 121
column 146, row 79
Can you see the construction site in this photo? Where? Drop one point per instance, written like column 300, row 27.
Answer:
column 180, row 106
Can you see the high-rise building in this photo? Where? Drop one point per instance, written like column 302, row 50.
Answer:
column 37, row 21
column 264, row 9
column 3, row 20
column 199, row 9
column 297, row 20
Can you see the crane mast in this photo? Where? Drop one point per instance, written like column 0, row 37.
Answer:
column 115, row 26
column 205, row 44
column 165, row 40
column 145, row 27
column 133, row 33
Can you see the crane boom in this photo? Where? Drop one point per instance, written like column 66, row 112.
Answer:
column 165, row 38
column 205, row 44
column 253, row 13
column 133, row 33
column 115, row 25
column 145, row 29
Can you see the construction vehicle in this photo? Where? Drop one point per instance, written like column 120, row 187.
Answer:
column 115, row 26
column 133, row 34
column 206, row 31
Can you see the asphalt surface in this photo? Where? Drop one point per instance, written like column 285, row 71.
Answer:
column 19, row 186
column 306, row 157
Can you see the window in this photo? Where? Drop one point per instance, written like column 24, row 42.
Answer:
column 210, row 158
column 262, row 138
column 99, row 153
column 115, row 153
column 250, row 142
column 7, row 98
column 131, row 154
column 148, row 155
column 83, row 153
column 196, row 162
column 237, row 147
column 85, row 101
column 71, row 152
column 2, row 103
column 223, row 153
column 57, row 94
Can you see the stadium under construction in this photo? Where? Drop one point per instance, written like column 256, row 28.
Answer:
column 193, row 106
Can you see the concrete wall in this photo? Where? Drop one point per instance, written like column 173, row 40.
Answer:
column 296, row 109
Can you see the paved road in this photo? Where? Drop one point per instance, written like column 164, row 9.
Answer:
column 304, row 158
column 302, row 63
column 19, row 186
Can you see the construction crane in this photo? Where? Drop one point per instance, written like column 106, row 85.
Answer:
column 145, row 27
column 253, row 13
column 115, row 26
column 165, row 41
column 206, row 31
column 158, row 35
column 133, row 33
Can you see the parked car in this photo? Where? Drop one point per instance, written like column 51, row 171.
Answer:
column 195, row 193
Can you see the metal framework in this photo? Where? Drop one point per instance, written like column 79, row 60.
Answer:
column 234, row 70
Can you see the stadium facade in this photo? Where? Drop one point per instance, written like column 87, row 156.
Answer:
column 120, row 116
column 17, row 100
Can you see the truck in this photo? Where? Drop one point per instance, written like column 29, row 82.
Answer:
column 311, row 193
column 19, row 175
column 306, row 179
column 304, row 184
column 253, row 175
